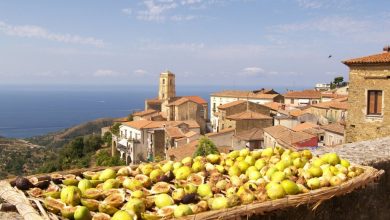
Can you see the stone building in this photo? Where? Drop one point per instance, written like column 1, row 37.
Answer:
column 293, row 118
column 369, row 97
column 220, row 119
column 334, row 134
column 302, row 98
column 145, row 140
column 168, row 106
column 261, row 96
column 287, row 138
column 331, row 111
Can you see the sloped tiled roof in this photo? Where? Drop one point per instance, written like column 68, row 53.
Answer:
column 174, row 132
column 332, row 104
column 305, row 94
column 340, row 105
column 380, row 58
column 297, row 112
column 159, row 124
column 286, row 135
column 248, row 115
column 224, row 131
column 196, row 99
column 230, row 104
column 137, row 124
column 185, row 99
column 273, row 105
column 144, row 113
column 261, row 94
column 335, row 128
column 304, row 126
column 186, row 150
column 253, row 134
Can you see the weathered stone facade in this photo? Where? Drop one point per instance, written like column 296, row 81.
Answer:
column 167, row 86
column 361, row 126
column 222, row 114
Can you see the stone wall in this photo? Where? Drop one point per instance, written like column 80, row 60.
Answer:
column 359, row 125
column 370, row 203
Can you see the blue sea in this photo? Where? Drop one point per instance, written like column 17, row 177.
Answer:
column 27, row 111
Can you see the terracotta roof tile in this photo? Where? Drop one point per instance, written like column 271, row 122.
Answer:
column 297, row 112
column 184, row 99
column 305, row 94
column 230, row 104
column 253, row 134
column 174, row 132
column 196, row 99
column 144, row 113
column 340, row 105
column 286, row 135
column 335, row 128
column 224, row 131
column 257, row 94
column 304, row 126
column 137, row 124
column 186, row 150
column 159, row 124
column 274, row 105
column 380, row 58
column 248, row 115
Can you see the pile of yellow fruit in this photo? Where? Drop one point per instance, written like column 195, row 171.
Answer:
column 193, row 185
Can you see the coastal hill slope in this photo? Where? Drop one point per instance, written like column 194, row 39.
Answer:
column 59, row 138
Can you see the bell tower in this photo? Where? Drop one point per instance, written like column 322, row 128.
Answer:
column 167, row 85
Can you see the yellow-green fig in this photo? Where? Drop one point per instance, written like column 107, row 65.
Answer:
column 107, row 174
column 82, row 213
column 219, row 203
column 182, row 173
column 182, row 210
column 136, row 205
column 275, row 190
column 71, row 195
column 314, row 183
column 122, row 215
column 204, row 191
column 162, row 200
column 84, row 185
column 290, row 187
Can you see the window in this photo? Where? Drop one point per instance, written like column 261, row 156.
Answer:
column 214, row 107
column 163, row 81
column 314, row 102
column 292, row 101
column 374, row 102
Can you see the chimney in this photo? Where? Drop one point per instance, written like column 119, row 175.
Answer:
column 283, row 107
column 386, row 49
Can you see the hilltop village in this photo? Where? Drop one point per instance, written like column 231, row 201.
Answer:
column 171, row 125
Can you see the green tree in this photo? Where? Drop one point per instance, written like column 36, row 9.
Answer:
column 115, row 129
column 130, row 117
column 107, row 138
column 205, row 147
column 91, row 144
column 338, row 81
column 103, row 158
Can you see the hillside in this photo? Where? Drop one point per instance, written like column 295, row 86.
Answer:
column 20, row 157
column 60, row 138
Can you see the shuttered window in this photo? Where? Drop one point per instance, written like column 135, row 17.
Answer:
column 374, row 102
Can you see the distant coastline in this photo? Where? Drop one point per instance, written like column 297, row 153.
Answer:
column 29, row 111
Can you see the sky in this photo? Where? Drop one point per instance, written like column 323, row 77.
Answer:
column 204, row 42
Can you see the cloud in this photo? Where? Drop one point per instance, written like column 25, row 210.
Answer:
column 182, row 17
column 32, row 31
column 317, row 4
column 166, row 10
column 127, row 11
column 105, row 73
column 334, row 25
column 155, row 10
column 252, row 71
column 140, row 72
